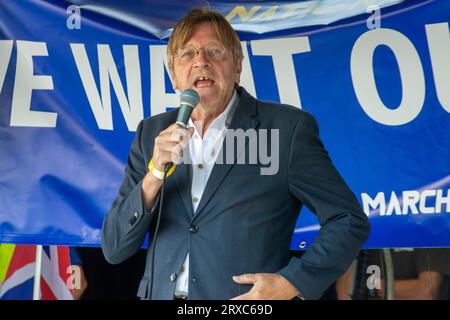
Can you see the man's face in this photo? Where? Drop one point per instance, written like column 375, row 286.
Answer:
column 211, row 72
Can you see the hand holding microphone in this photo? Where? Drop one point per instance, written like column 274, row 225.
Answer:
column 170, row 143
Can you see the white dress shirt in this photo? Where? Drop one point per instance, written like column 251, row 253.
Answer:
column 203, row 154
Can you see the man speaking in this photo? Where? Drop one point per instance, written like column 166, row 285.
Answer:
column 225, row 227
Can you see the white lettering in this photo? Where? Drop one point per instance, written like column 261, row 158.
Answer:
column 394, row 204
column 132, row 109
column 247, row 75
column 423, row 201
column 410, row 201
column 411, row 73
column 5, row 55
column 440, row 201
column 379, row 201
column 438, row 36
column 281, row 51
column 25, row 83
column 159, row 99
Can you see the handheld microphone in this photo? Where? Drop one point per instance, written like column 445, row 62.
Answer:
column 189, row 99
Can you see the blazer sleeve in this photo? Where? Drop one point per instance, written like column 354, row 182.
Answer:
column 314, row 180
column 126, row 224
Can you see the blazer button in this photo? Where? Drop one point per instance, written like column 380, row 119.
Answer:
column 133, row 218
column 173, row 277
column 193, row 228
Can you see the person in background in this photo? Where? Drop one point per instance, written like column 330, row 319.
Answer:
column 419, row 274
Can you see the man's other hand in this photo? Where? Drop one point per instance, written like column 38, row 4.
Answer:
column 266, row 286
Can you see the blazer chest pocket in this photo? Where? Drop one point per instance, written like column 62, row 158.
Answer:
column 245, row 169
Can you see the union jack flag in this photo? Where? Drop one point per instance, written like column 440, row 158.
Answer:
column 17, row 265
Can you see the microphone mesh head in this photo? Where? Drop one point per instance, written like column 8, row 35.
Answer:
column 189, row 97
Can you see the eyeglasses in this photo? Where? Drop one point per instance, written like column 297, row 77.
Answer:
column 188, row 53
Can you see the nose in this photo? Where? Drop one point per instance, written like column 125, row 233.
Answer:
column 201, row 60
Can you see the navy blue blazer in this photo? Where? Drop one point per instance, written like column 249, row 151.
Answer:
column 245, row 221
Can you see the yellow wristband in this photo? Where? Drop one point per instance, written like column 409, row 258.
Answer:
column 158, row 173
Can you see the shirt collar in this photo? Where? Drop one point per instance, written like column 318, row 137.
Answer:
column 223, row 119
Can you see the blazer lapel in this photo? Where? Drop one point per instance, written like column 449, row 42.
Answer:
column 243, row 118
column 183, row 179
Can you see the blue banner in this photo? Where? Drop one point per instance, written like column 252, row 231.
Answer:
column 76, row 77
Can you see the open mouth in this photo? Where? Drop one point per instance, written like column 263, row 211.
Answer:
column 203, row 82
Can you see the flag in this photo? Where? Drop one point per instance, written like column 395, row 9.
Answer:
column 17, row 265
